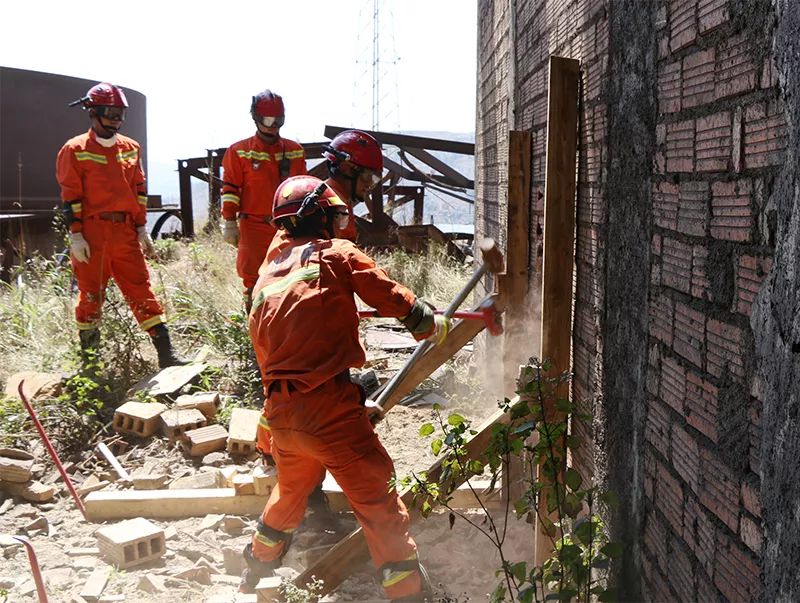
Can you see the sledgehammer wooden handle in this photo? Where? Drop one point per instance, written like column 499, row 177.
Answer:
column 492, row 262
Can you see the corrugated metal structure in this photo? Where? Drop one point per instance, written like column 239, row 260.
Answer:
column 34, row 123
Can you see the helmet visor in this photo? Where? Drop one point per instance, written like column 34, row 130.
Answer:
column 111, row 113
column 271, row 121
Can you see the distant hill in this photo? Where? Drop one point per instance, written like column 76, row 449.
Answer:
column 163, row 180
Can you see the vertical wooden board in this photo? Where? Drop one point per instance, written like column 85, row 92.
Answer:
column 559, row 237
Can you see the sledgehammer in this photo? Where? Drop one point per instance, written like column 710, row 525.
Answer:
column 492, row 262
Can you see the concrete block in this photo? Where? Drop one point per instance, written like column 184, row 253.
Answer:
column 243, row 484
column 138, row 418
column 130, row 543
column 206, row 402
column 200, row 442
column 94, row 586
column 15, row 465
column 204, row 479
column 31, row 491
column 243, row 426
column 264, row 480
column 268, row 590
column 177, row 421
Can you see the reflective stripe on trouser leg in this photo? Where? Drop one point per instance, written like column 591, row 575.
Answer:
column 270, row 544
column 394, row 572
column 263, row 436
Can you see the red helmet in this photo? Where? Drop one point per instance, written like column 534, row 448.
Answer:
column 301, row 196
column 105, row 95
column 359, row 148
column 270, row 105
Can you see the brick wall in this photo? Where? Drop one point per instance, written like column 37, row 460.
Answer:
column 719, row 140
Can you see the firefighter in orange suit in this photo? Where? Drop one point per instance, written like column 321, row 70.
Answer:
column 304, row 326
column 355, row 166
column 253, row 169
column 105, row 199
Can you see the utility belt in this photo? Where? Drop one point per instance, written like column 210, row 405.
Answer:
column 289, row 385
column 264, row 219
column 112, row 216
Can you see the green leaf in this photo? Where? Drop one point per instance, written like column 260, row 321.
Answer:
column 608, row 596
column 612, row 549
column 610, row 499
column 563, row 405
column 426, row 508
column 549, row 527
column 573, row 479
column 436, row 446
column 426, row 430
column 526, row 594
column 518, row 570
column 455, row 419
column 498, row 594
column 566, row 594
column 475, row 467
column 574, row 442
column 584, row 531
column 521, row 507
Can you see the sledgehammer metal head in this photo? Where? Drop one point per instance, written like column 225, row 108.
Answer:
column 492, row 256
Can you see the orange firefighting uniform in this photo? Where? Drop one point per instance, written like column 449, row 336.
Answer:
column 252, row 172
column 105, row 187
column 304, row 327
column 280, row 241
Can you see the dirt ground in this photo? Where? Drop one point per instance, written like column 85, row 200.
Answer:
column 460, row 561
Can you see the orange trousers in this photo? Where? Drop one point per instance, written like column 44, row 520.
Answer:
column 255, row 235
column 114, row 253
column 328, row 428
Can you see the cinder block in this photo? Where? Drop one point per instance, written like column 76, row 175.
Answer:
column 199, row 442
column 130, row 543
column 175, row 422
column 206, row 402
column 243, row 426
column 269, row 589
column 138, row 418
column 264, row 480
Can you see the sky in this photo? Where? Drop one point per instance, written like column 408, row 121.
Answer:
column 199, row 63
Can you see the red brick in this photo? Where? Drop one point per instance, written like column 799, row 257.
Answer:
column 594, row 163
column 680, row 146
column 655, row 540
column 701, row 287
column 669, row 87
column 581, row 359
column 750, row 273
column 657, row 426
column 689, row 334
column 588, row 244
column 769, row 75
column 669, row 498
column 673, row 383
column 585, row 322
column 681, row 575
column 751, row 497
column 653, row 370
column 752, row 534
column 711, row 14
column 655, row 244
column 713, row 142
column 661, row 319
column 731, row 210
column 650, row 465
column 699, row 533
column 725, row 347
column 737, row 572
column 701, row 405
column 686, row 457
column 683, row 30
column 765, row 135
column 698, row 78
column 693, row 208
column 665, row 205
column 736, row 71
column 720, row 491
column 677, row 265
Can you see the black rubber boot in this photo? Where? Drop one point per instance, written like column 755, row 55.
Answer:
column 90, row 352
column 320, row 517
column 166, row 353
column 255, row 570
column 425, row 595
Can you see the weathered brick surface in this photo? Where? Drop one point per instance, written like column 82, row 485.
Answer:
column 665, row 205
column 731, row 210
column 720, row 491
column 725, row 348
column 683, row 29
column 689, row 334
column 660, row 322
column 680, row 146
column 701, row 288
column 676, row 265
column 655, row 540
column 750, row 273
column 764, row 135
column 669, row 498
column 752, row 533
column 681, row 575
column 673, row 383
column 755, row 437
column 657, row 426
column 669, row 87
column 713, row 142
column 736, row 72
column 711, row 14
column 736, row 572
column 686, row 457
column 698, row 78
column 693, row 208
column 751, row 496
column 699, row 533
column 701, row 404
